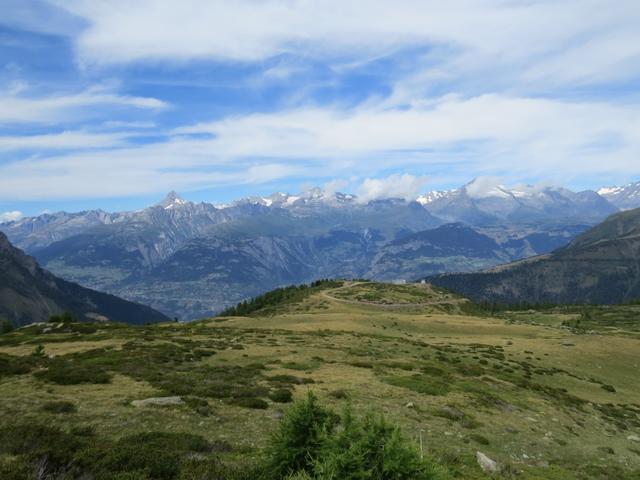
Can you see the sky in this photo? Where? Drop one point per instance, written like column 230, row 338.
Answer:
column 112, row 103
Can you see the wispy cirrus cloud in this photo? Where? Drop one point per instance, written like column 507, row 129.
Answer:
column 17, row 107
column 556, row 40
column 66, row 140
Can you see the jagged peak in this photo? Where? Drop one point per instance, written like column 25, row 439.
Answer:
column 171, row 200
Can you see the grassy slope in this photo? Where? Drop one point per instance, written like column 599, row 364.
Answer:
column 519, row 387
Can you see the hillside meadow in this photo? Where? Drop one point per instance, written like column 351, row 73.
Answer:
column 547, row 393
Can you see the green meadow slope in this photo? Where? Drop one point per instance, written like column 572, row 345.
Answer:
column 547, row 394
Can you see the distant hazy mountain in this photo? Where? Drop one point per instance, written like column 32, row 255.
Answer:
column 600, row 266
column 193, row 259
column 30, row 294
column 625, row 198
column 482, row 202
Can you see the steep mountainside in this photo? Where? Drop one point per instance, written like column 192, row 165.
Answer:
column 600, row 266
column 30, row 294
column 452, row 247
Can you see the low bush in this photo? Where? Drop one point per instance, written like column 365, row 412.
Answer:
column 289, row 380
column 281, row 395
column 67, row 372
column 159, row 455
column 6, row 326
column 419, row 383
column 250, row 402
column 66, row 317
column 52, row 449
column 12, row 365
column 339, row 394
column 59, row 407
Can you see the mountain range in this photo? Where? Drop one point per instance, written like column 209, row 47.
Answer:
column 600, row 266
column 193, row 259
column 30, row 294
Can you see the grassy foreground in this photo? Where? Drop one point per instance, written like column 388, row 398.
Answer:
column 547, row 394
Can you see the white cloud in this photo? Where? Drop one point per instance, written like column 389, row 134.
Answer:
column 16, row 108
column 464, row 137
column 522, row 133
column 394, row 186
column 10, row 216
column 64, row 141
column 334, row 186
column 558, row 40
column 482, row 187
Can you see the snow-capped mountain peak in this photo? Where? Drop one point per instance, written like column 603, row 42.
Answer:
column 313, row 196
column 608, row 191
column 427, row 198
column 625, row 197
column 486, row 187
column 172, row 200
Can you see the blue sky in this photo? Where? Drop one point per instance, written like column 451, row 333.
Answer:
column 110, row 104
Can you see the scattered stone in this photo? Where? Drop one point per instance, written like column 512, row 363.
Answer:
column 510, row 429
column 158, row 401
column 503, row 406
column 633, row 438
column 452, row 413
column 410, row 405
column 486, row 464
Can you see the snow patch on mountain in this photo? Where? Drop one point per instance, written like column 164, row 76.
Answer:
column 172, row 200
column 625, row 197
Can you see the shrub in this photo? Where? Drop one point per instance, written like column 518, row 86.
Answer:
column 66, row 317
column 372, row 448
column 289, row 379
column 299, row 440
column 476, row 437
column 158, row 454
column 309, row 446
column 6, row 326
column 420, row 384
column 67, row 372
column 38, row 351
column 340, row 394
column 250, row 402
column 281, row 395
column 12, row 365
column 59, row 407
column 36, row 441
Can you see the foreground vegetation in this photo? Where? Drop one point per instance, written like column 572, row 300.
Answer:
column 547, row 393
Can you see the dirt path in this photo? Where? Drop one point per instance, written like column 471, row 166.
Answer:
column 327, row 295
